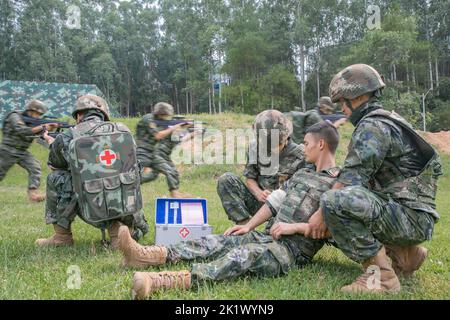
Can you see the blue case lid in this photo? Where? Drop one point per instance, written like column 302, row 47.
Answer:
column 170, row 206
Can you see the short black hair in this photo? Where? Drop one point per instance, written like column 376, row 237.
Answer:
column 326, row 131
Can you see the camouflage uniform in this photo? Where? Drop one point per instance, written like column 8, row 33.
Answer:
column 156, row 154
column 302, row 121
column 17, row 138
column 390, row 174
column 255, row 252
column 61, row 206
column 237, row 200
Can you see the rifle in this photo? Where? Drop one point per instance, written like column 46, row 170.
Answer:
column 34, row 122
column 333, row 117
column 193, row 124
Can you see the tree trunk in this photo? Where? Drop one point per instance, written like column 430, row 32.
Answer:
column 213, row 98
column 176, row 98
column 436, row 64
column 302, row 63
column 318, row 74
column 209, row 100
column 414, row 75
column 407, row 78
column 220, row 94
column 271, row 97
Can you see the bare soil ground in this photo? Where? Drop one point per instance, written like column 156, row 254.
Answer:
column 439, row 139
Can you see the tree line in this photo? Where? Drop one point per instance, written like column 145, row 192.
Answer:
column 233, row 55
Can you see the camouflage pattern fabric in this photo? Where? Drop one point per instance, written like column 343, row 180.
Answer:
column 303, row 193
column 361, row 221
column 156, row 154
column 302, row 121
column 16, row 140
column 237, row 200
column 60, row 207
column 393, row 173
column 255, row 252
column 58, row 97
column 232, row 256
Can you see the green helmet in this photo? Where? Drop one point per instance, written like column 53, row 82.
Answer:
column 355, row 81
column 273, row 119
column 163, row 109
column 325, row 105
column 37, row 106
column 90, row 102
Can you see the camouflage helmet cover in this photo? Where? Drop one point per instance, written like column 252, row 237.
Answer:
column 37, row 106
column 325, row 105
column 89, row 102
column 273, row 119
column 163, row 108
column 355, row 81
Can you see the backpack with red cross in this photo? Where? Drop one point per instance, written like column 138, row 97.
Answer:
column 105, row 172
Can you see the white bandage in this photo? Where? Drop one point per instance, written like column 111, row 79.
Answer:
column 276, row 198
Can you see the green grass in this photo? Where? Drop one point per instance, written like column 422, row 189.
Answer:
column 30, row 273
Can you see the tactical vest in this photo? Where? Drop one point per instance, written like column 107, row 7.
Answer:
column 104, row 171
column 416, row 192
column 143, row 139
column 302, row 200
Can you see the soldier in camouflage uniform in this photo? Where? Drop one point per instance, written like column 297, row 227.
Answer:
column 17, row 138
column 62, row 205
column 241, row 201
column 241, row 250
column 155, row 145
column 301, row 121
column 384, row 201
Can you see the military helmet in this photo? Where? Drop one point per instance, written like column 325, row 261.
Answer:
column 163, row 109
column 91, row 102
column 273, row 119
column 355, row 81
column 325, row 105
column 37, row 106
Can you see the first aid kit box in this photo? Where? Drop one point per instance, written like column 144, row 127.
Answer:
column 179, row 220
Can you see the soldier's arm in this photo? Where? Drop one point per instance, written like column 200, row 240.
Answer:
column 263, row 214
column 368, row 148
column 21, row 128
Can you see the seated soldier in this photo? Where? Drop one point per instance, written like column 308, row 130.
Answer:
column 242, row 200
column 242, row 250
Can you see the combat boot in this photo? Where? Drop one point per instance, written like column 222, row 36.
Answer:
column 35, row 196
column 113, row 232
column 62, row 237
column 146, row 283
column 135, row 255
column 406, row 260
column 371, row 281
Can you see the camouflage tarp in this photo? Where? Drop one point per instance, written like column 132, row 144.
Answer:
column 60, row 98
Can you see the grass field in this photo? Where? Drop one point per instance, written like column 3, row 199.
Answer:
column 30, row 273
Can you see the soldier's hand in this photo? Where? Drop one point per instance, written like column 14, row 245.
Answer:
column 262, row 196
column 318, row 228
column 279, row 229
column 237, row 230
column 50, row 126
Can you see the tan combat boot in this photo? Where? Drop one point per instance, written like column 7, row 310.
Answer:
column 62, row 237
column 35, row 196
column 388, row 281
column 146, row 283
column 406, row 260
column 135, row 255
column 113, row 232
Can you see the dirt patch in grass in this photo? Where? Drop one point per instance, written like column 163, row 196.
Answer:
column 439, row 139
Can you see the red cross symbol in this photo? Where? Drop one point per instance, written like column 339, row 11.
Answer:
column 108, row 157
column 184, row 232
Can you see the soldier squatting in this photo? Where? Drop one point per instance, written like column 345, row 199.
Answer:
column 376, row 209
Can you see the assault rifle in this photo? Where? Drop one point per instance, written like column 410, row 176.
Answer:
column 188, row 124
column 34, row 122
